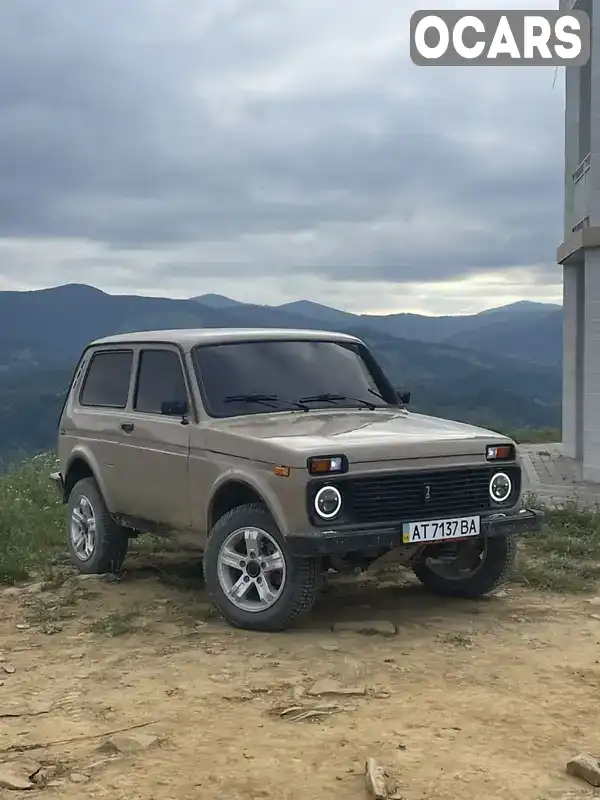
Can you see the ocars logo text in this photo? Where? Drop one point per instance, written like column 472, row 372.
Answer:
column 497, row 38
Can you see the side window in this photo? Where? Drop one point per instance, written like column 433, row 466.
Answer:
column 106, row 383
column 159, row 380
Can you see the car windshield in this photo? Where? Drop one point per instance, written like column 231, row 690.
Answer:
column 267, row 376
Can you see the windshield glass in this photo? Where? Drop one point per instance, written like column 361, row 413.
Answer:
column 268, row 376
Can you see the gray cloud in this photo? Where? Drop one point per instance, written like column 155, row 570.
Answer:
column 188, row 140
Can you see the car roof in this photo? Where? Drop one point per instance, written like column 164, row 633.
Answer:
column 187, row 338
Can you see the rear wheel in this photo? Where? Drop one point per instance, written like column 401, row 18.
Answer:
column 251, row 576
column 469, row 569
column 97, row 544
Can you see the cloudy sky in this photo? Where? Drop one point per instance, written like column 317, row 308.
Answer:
column 272, row 150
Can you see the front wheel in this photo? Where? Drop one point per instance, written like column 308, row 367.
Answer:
column 471, row 569
column 251, row 576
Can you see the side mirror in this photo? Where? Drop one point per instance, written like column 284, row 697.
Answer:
column 403, row 397
column 174, row 408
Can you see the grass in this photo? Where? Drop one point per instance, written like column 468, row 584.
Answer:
column 564, row 557
column 32, row 520
column 117, row 623
column 458, row 640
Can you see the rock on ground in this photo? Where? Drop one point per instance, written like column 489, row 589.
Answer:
column 78, row 777
column 375, row 780
column 19, row 710
column 586, row 767
column 331, row 687
column 17, row 775
column 126, row 745
column 12, row 779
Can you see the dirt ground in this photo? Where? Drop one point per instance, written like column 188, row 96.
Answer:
column 468, row 701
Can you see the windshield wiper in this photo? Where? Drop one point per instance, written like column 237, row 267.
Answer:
column 400, row 401
column 381, row 397
column 336, row 398
column 265, row 399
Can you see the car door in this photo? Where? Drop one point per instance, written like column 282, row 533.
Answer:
column 92, row 423
column 158, row 440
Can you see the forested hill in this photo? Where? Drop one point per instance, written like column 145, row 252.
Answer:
column 500, row 368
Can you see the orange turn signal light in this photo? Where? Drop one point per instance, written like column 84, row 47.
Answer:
column 502, row 452
column 320, row 465
column 283, row 472
column 324, row 465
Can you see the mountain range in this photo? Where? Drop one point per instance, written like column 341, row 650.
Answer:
column 500, row 368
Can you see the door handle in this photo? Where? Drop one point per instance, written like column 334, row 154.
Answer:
column 127, row 427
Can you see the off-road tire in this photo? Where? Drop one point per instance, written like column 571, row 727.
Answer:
column 495, row 569
column 302, row 582
column 112, row 541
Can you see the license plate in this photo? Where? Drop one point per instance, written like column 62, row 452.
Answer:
column 440, row 530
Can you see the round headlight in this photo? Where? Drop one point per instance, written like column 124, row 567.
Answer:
column 328, row 502
column 500, row 487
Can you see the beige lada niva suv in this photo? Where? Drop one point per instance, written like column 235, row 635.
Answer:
column 281, row 453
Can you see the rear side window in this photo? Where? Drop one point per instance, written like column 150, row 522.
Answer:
column 160, row 380
column 107, row 381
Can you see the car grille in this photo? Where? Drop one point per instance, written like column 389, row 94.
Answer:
column 401, row 496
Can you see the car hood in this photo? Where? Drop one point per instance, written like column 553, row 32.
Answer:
column 361, row 435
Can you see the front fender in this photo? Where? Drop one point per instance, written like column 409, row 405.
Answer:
column 258, row 485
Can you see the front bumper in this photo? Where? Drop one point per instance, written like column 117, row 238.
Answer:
column 59, row 482
column 327, row 543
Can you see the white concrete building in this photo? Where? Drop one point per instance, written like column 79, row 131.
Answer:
column 579, row 255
